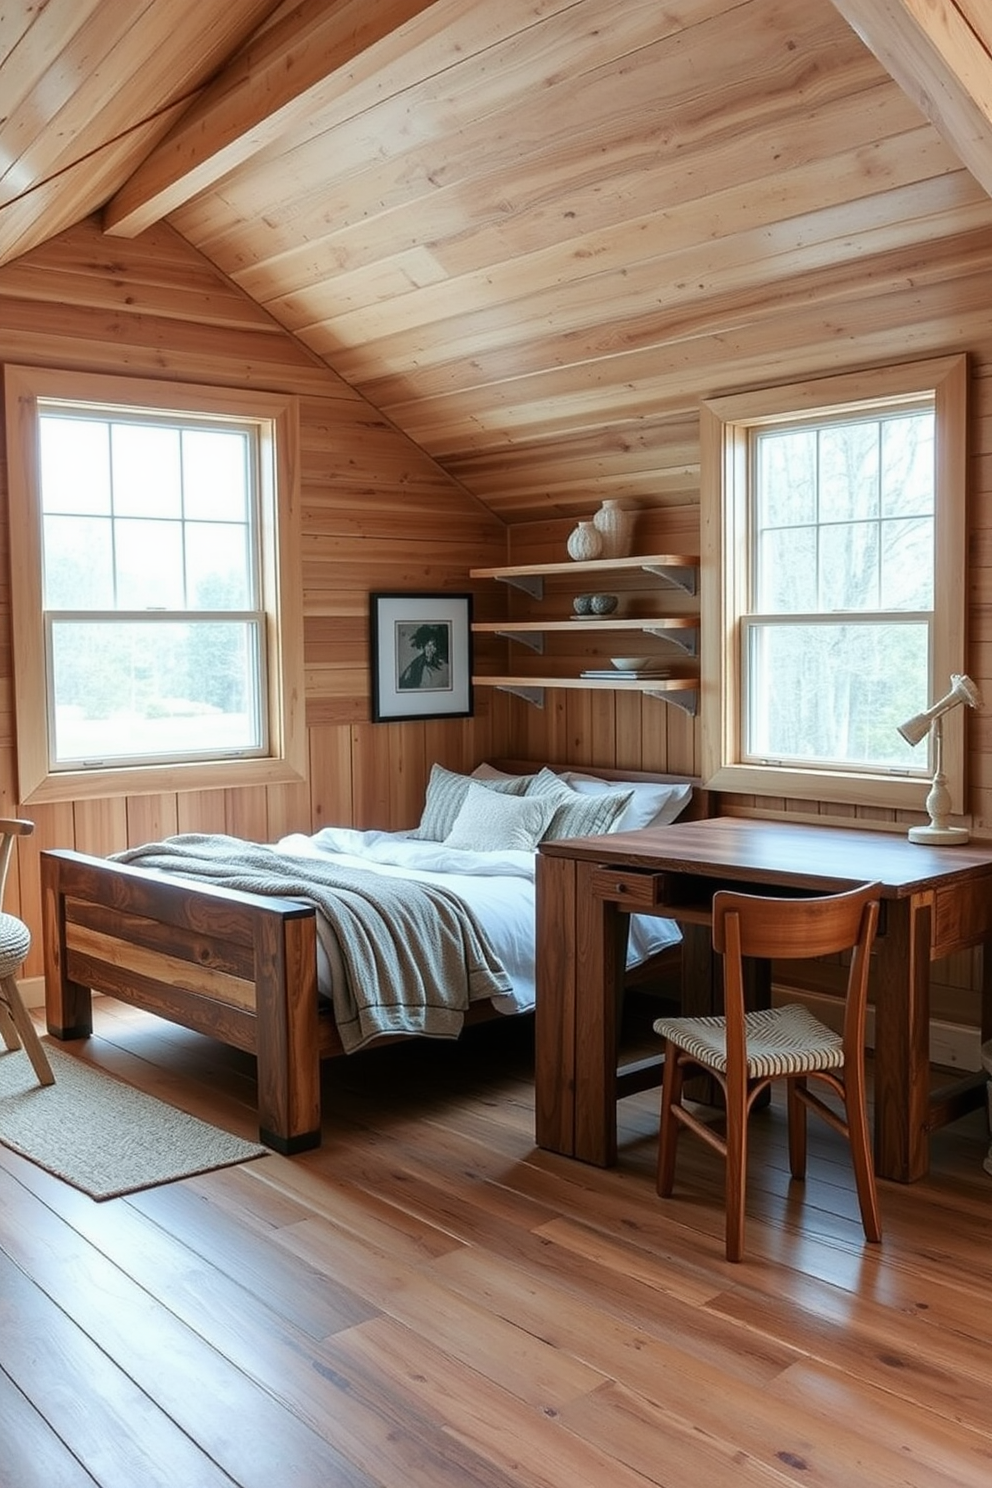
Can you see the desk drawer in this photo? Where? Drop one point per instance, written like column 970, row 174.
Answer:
column 627, row 887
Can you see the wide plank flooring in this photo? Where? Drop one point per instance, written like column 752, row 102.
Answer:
column 429, row 1301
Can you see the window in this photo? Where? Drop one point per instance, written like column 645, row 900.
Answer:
column 156, row 582
column 832, row 598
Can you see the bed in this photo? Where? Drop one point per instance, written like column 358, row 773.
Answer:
column 230, row 940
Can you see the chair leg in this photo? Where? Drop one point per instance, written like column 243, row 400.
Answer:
column 668, row 1135
column 859, row 1137
column 8, row 1031
column 797, row 1127
column 33, row 1046
column 736, row 1182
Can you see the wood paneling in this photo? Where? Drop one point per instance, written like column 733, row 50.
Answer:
column 378, row 513
column 528, row 236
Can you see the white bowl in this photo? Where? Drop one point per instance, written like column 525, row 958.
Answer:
column 631, row 663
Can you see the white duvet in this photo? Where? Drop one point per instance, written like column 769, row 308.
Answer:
column 497, row 886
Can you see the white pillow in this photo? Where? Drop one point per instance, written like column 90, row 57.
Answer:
column 654, row 804
column 446, row 791
column 489, row 821
column 575, row 815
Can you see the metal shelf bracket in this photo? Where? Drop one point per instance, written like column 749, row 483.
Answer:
column 686, row 640
column 680, row 578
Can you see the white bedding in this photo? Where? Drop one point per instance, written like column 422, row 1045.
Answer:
column 497, row 886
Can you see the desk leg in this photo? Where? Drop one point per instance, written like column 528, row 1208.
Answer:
column 580, row 941
column 902, row 1039
column 600, row 945
column 554, row 1014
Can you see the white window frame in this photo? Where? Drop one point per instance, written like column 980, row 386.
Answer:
column 277, row 418
column 725, row 427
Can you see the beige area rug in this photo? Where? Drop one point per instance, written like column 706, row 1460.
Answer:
column 103, row 1136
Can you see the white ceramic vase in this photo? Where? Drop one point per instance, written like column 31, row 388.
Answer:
column 585, row 542
column 615, row 526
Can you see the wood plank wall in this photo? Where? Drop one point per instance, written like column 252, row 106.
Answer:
column 377, row 514
column 380, row 515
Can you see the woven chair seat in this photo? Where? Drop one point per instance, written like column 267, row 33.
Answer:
column 15, row 942
column 780, row 1041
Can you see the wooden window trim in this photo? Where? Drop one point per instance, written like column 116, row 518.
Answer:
column 286, row 761
column 724, row 426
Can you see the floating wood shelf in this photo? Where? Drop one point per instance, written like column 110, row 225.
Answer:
column 680, row 630
column 678, row 569
column 682, row 691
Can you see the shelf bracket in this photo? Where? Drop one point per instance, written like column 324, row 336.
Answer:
column 688, row 701
column 532, row 584
column 686, row 640
column 681, row 578
column 532, row 638
column 533, row 695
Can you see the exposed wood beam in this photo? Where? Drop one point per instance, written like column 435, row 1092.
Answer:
column 940, row 54
column 273, row 81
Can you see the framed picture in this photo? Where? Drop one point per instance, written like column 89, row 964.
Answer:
column 421, row 656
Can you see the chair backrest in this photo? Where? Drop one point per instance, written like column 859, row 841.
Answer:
column 10, row 827
column 796, row 929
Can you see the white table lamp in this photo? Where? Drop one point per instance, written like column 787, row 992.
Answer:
column 938, row 803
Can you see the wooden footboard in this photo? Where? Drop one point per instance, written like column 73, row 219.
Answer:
column 239, row 967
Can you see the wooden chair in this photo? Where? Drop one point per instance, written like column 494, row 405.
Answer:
column 746, row 1051
column 16, row 1025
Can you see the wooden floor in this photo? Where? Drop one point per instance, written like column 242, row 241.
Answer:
column 430, row 1302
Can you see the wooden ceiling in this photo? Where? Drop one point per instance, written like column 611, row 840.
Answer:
column 534, row 232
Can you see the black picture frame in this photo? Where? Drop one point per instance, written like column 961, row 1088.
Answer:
column 420, row 656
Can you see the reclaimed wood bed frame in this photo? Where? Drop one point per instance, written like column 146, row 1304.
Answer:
column 236, row 966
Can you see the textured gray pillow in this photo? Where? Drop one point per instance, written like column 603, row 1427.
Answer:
column 446, row 792
column 496, row 822
column 578, row 815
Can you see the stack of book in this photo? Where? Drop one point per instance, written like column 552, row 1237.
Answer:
column 619, row 674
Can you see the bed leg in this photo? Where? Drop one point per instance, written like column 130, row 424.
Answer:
column 68, row 1004
column 287, row 1040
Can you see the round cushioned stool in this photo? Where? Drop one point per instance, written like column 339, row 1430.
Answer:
column 16, row 1025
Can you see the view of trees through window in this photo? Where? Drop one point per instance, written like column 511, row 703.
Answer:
column 150, row 586
column 837, row 644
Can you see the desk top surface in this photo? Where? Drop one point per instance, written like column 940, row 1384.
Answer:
column 769, row 852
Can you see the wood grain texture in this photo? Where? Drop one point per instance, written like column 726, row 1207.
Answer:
column 529, row 238
column 434, row 1303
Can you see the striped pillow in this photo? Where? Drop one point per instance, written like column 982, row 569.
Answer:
column 446, row 792
column 578, row 815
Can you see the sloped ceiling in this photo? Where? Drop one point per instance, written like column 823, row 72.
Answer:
column 532, row 233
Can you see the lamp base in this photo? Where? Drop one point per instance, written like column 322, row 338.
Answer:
column 939, row 836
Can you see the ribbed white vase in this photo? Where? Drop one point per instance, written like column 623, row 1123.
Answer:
column 585, row 542
column 615, row 526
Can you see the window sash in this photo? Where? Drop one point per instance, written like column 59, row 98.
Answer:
column 844, row 682
column 726, row 425
column 153, row 715
column 276, row 417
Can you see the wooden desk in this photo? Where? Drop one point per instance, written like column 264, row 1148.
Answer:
column 935, row 901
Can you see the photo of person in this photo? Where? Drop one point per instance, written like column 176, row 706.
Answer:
column 428, row 648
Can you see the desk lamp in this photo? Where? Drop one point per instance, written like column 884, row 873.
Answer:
column 938, row 802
